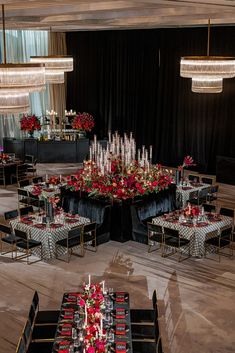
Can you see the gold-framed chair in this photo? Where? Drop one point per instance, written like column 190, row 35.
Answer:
column 2, row 176
column 155, row 235
column 73, row 239
column 173, row 240
column 26, row 244
column 223, row 239
column 89, row 237
column 8, row 238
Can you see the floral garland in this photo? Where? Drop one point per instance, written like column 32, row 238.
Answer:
column 30, row 123
column 83, row 121
column 122, row 182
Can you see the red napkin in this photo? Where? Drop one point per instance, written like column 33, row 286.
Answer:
column 26, row 221
column 120, row 347
column 215, row 219
column 68, row 313
column 71, row 220
column 70, row 215
column 120, row 313
column 187, row 224
column 120, row 297
column 40, row 226
column 64, row 347
column 66, row 330
column 186, row 188
column 202, row 224
column 120, row 329
column 56, row 225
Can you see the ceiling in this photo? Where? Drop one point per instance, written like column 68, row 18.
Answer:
column 75, row 15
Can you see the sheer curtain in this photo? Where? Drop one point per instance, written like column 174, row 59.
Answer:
column 20, row 45
column 57, row 46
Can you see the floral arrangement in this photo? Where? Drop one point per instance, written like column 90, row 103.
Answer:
column 45, row 195
column 83, row 121
column 30, row 123
column 187, row 162
column 123, row 182
column 92, row 300
column 4, row 157
column 54, row 180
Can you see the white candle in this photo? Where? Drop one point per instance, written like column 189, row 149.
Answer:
column 103, row 286
column 89, row 281
column 60, row 178
column 101, row 326
column 85, row 315
column 46, row 177
column 151, row 152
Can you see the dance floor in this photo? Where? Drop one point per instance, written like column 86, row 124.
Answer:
column 196, row 297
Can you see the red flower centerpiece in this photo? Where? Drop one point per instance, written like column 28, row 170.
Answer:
column 30, row 123
column 4, row 158
column 83, row 121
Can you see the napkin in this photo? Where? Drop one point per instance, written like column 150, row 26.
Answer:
column 68, row 313
column 66, row 330
column 40, row 225
column 56, row 225
column 202, row 224
column 120, row 329
column 120, row 297
column 120, row 347
column 187, row 224
column 64, row 347
column 70, row 220
column 26, row 221
column 186, row 188
column 120, row 313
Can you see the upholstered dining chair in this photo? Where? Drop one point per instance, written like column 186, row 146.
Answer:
column 229, row 212
column 7, row 237
column 73, row 239
column 142, row 346
column 27, row 245
column 23, row 183
column 2, row 176
column 208, row 207
column 173, row 240
column 11, row 215
column 37, row 180
column 26, row 210
column 20, row 174
column 43, row 317
column 23, row 197
column 21, row 348
column 144, row 316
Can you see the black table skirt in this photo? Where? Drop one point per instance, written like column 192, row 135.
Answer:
column 121, row 223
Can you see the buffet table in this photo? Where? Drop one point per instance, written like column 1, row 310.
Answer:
column 48, row 151
column 79, row 327
column 48, row 234
column 197, row 233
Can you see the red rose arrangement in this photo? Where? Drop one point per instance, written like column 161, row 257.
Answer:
column 187, row 162
column 122, row 182
column 30, row 123
column 4, row 157
column 83, row 121
column 54, row 180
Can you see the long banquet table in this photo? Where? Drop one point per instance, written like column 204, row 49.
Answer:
column 48, row 234
column 72, row 332
column 197, row 233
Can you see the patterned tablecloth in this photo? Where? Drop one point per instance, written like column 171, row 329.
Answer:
column 47, row 234
column 184, row 192
column 196, row 233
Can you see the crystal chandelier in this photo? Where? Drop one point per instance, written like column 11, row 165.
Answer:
column 17, row 81
column 55, row 66
column 207, row 72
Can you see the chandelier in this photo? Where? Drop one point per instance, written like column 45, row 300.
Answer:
column 207, row 72
column 55, row 66
column 17, row 81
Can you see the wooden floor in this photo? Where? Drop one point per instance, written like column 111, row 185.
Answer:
column 196, row 297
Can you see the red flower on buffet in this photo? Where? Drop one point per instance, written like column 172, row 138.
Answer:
column 83, row 121
column 54, row 180
column 4, row 157
column 30, row 123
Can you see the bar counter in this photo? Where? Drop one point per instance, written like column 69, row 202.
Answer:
column 48, row 151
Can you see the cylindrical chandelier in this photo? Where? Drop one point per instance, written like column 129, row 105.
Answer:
column 55, row 66
column 207, row 72
column 14, row 102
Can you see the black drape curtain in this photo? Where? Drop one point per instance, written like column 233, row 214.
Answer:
column 130, row 81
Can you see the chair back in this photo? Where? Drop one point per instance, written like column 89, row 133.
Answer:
column 207, row 180
column 155, row 228
column 5, row 229
column 32, row 315
column 159, row 345
column 208, row 208
column 27, row 333
column 29, row 158
column 26, row 210
column 21, row 234
column 24, row 182
column 171, row 232
column 35, row 301
column 21, row 348
column 227, row 212
column 89, row 227
column 226, row 233
column 204, row 192
column 37, row 180
column 22, row 192
column 10, row 215
column 193, row 195
column 75, row 232
column 154, row 299
column 194, row 178
column 214, row 189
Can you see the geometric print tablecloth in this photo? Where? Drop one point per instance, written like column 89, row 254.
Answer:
column 184, row 194
column 48, row 236
column 196, row 235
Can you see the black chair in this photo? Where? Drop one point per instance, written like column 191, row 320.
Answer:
column 143, row 347
column 203, row 195
column 23, row 183
column 26, row 210
column 208, row 208
column 74, row 239
column 143, row 331
column 20, row 174
column 11, row 215
column 23, row 197
column 27, row 332
column 194, row 178
column 21, row 348
column 2, row 176
column 193, row 197
column 172, row 239
column 8, row 238
column 32, row 167
column 44, row 333
column 40, row 347
column 37, row 180
column 43, row 317
column 35, row 201
column 229, row 212
column 207, row 180
column 144, row 316
column 155, row 234
column 220, row 241
column 27, row 245
column 89, row 236
column 213, row 193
